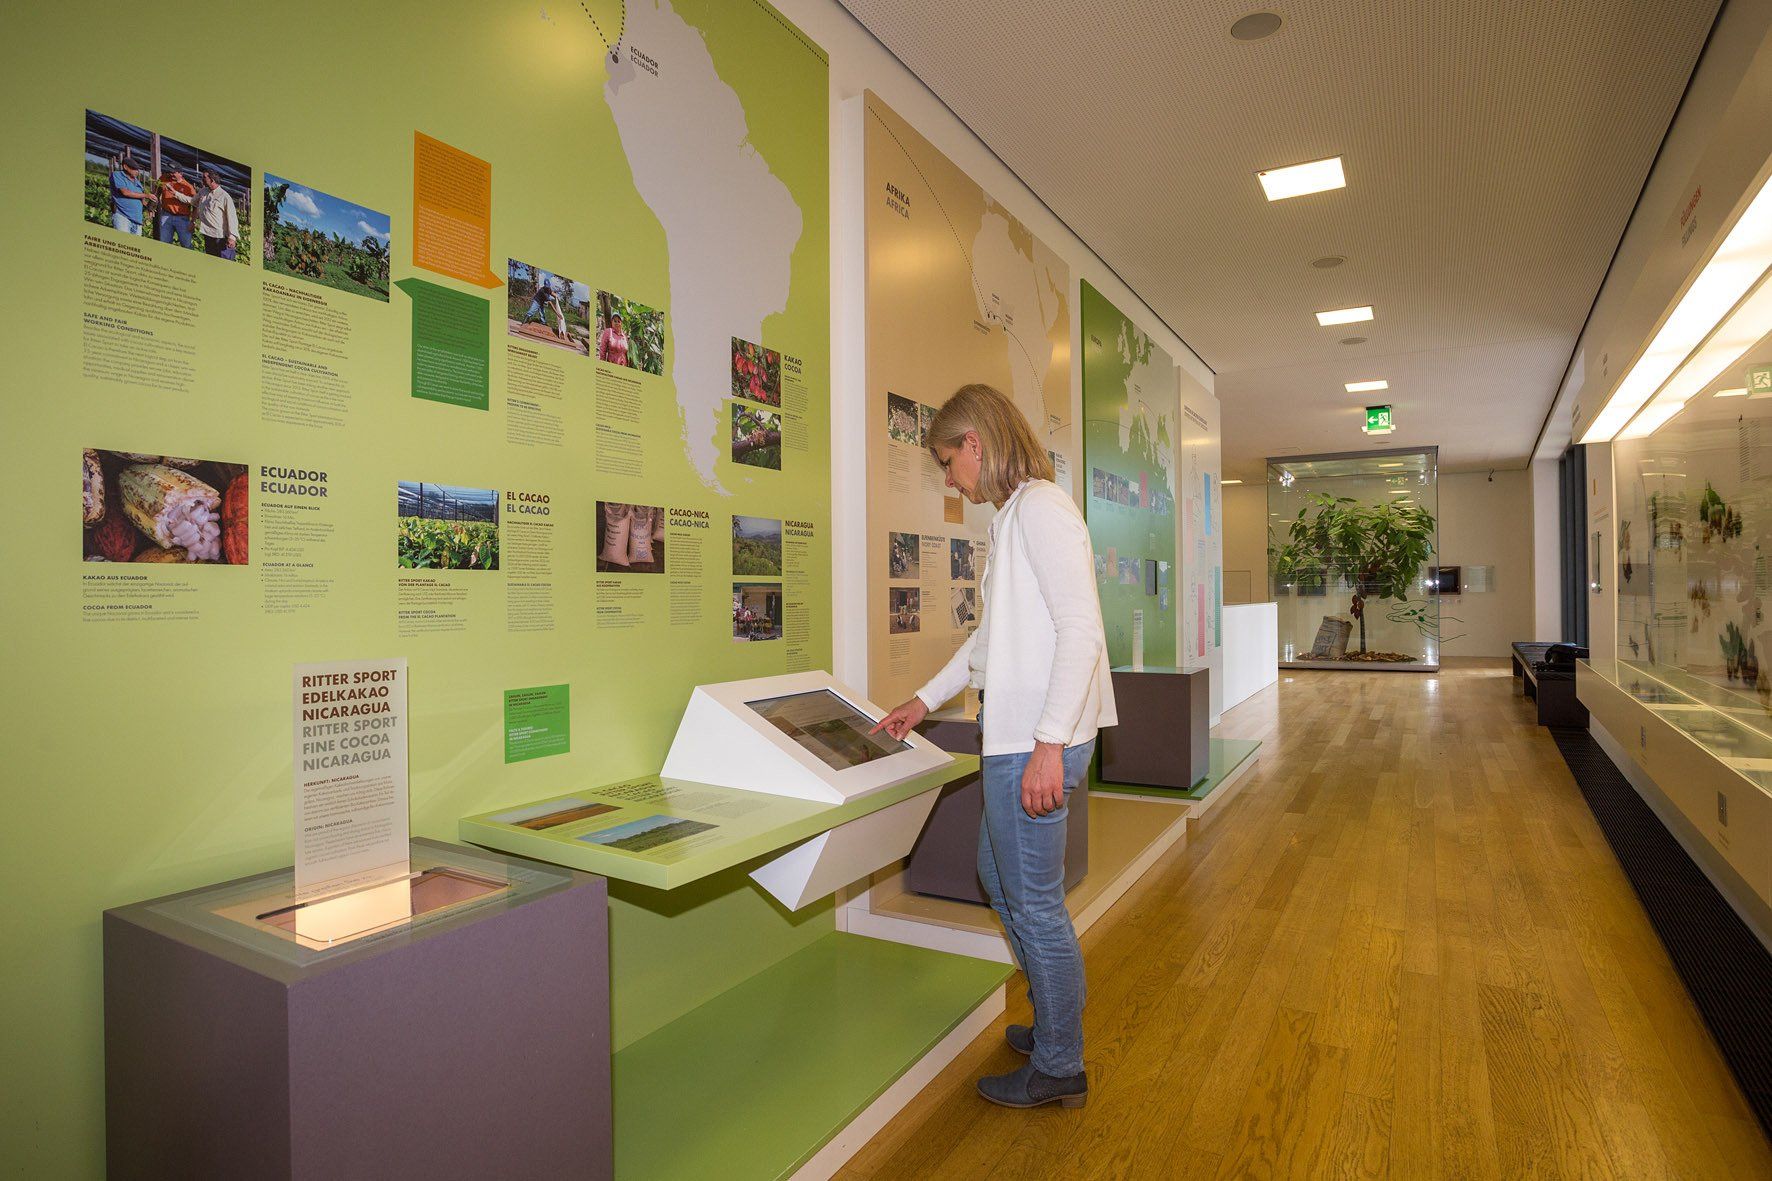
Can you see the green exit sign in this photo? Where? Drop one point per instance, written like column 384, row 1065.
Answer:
column 1379, row 420
column 1759, row 379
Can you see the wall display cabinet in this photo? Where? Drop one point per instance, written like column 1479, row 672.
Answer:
column 1689, row 695
column 1352, row 542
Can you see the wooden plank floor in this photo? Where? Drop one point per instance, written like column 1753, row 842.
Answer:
column 1404, row 950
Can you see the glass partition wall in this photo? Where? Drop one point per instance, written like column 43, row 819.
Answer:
column 1353, row 539
column 1694, row 507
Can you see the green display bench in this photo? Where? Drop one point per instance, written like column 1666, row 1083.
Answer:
column 748, row 1035
column 1228, row 756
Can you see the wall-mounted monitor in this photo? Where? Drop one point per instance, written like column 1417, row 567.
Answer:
column 1444, row 580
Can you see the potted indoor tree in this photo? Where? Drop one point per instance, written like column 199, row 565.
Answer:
column 1376, row 550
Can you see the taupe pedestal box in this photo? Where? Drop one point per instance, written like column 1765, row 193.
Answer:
column 475, row 1044
column 1164, row 735
column 944, row 861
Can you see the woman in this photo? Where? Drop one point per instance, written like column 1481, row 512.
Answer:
column 1039, row 659
column 612, row 342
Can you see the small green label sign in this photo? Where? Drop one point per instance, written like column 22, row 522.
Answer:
column 538, row 722
column 1759, row 379
column 1379, row 421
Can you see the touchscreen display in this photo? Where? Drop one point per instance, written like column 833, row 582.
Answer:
column 829, row 727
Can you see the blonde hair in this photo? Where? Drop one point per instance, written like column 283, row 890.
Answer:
column 1011, row 452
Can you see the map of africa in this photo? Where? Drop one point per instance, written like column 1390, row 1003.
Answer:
column 958, row 291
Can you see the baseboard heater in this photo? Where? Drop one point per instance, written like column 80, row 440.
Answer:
column 1725, row 969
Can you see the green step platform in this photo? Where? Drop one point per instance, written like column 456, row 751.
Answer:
column 1227, row 755
column 754, row 1082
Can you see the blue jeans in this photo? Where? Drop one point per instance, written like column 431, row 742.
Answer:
column 1021, row 863
column 174, row 229
column 120, row 221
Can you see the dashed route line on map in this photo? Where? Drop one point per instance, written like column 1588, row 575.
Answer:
column 621, row 30
column 971, row 272
column 610, row 46
column 791, row 30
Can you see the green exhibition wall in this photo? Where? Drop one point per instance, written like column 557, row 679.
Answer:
column 372, row 417
column 1130, row 406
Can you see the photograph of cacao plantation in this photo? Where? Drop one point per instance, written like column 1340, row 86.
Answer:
column 630, row 538
column 141, row 507
column 446, row 527
column 756, row 546
column 314, row 236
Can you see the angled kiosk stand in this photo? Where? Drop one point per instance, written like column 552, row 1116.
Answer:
column 754, row 1037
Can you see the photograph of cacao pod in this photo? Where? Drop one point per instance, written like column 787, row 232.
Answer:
column 138, row 506
column 630, row 538
column 756, row 436
column 756, row 372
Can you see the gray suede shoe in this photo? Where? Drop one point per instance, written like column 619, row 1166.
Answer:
column 1027, row 1087
column 1020, row 1038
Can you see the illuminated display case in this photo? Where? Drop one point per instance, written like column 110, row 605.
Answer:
column 240, row 1043
column 1693, row 498
column 1353, row 539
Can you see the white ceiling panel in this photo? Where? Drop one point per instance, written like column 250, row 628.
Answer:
column 1493, row 153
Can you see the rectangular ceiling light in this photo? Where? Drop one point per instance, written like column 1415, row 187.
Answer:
column 1230, row 481
column 1366, row 387
column 1651, row 420
column 1345, row 316
column 1739, row 391
column 1740, row 330
column 1318, row 176
column 1736, row 266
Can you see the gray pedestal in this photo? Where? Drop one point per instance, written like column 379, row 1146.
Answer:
column 474, row 1044
column 1163, row 739
column 944, row 861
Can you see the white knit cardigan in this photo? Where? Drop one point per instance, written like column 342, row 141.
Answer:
column 1039, row 628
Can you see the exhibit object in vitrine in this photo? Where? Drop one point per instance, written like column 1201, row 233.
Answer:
column 1352, row 542
column 232, row 1037
column 803, row 735
column 1694, row 525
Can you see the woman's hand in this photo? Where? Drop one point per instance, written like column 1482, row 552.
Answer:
column 1042, row 783
column 903, row 719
